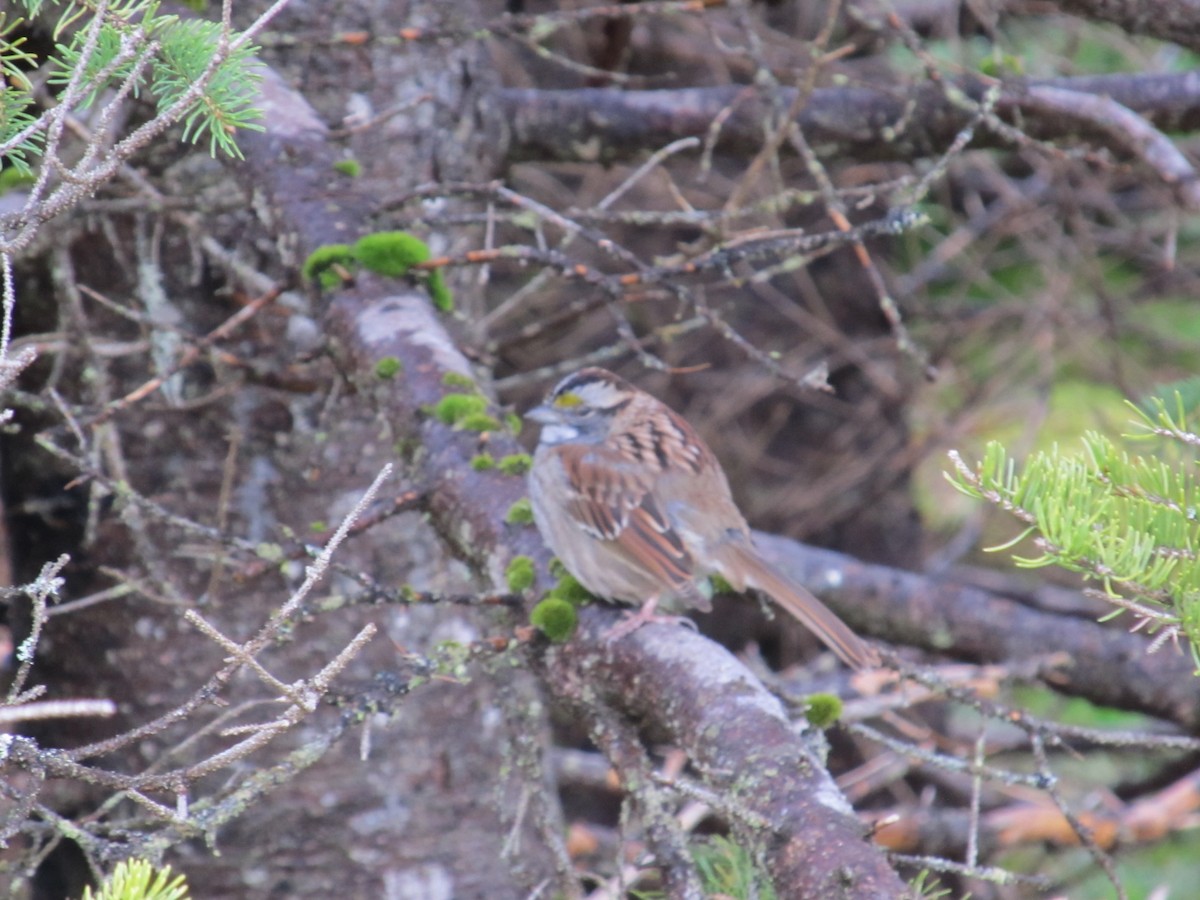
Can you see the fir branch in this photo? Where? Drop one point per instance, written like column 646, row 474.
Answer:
column 1126, row 521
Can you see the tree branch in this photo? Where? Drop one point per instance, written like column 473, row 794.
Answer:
column 696, row 695
column 859, row 122
column 1109, row 666
column 736, row 733
column 1176, row 21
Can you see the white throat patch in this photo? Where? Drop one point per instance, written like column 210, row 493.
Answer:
column 558, row 433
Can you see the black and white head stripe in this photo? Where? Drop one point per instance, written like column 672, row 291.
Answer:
column 593, row 389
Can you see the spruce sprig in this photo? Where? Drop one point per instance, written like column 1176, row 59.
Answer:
column 1126, row 521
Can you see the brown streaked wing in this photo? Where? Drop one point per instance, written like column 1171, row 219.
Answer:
column 612, row 501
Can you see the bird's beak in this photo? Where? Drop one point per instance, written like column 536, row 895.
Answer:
column 544, row 415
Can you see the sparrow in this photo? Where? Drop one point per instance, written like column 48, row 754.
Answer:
column 639, row 511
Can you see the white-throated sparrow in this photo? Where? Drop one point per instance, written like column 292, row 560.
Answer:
column 638, row 509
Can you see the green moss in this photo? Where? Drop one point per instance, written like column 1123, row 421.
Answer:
column 439, row 292
column 479, row 421
column 520, row 513
column 519, row 574
column 513, row 421
column 351, row 167
column 557, row 569
column 268, row 552
column 318, row 526
column 481, row 462
column 454, row 408
column 388, row 367
column 394, row 253
column 323, row 263
column 515, row 463
column 823, row 710
column 390, row 253
column 720, row 585
column 458, row 380
column 452, row 660
column 555, row 618
column 570, row 590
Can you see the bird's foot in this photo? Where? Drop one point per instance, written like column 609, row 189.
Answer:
column 644, row 615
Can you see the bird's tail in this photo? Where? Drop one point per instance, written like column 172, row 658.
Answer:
column 742, row 567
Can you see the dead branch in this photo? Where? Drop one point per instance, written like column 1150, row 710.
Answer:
column 856, row 122
column 1147, row 819
column 1167, row 20
column 1108, row 666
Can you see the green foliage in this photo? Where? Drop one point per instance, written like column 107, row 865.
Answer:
column 1145, row 869
column 1126, row 521
column 13, row 177
column 350, row 167
column 927, row 886
column 1164, row 321
column 519, row 574
column 555, row 618
column 136, row 879
column 1046, row 703
column 14, row 60
column 16, row 98
column 459, row 380
column 188, row 48
column 822, row 710
column 1002, row 64
column 520, row 513
column 483, row 462
column 164, row 57
column 105, row 57
column 728, row 869
column 388, row 367
column 1184, row 395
